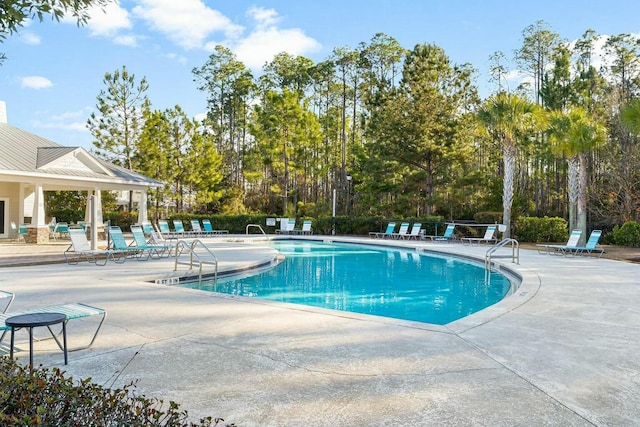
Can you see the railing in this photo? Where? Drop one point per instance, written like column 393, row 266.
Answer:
column 190, row 246
column 246, row 230
column 515, row 252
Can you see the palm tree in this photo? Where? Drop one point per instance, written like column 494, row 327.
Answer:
column 574, row 134
column 508, row 118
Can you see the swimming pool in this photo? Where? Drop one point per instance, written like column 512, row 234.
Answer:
column 382, row 281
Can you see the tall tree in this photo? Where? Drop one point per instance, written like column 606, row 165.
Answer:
column 508, row 118
column 421, row 125
column 117, row 124
column 539, row 43
column 229, row 88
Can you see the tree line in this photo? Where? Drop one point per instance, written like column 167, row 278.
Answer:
column 379, row 129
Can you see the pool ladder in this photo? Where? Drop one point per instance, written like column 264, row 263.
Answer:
column 194, row 257
column 515, row 252
column 246, row 231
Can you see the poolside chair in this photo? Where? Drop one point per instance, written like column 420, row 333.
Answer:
column 19, row 232
column 147, row 228
column 389, row 231
column 118, row 243
column 572, row 244
column 489, row 236
column 165, row 231
column 80, row 249
column 591, row 247
column 196, row 229
column 287, row 225
column 306, row 228
column 8, row 296
column 415, row 231
column 402, row 231
column 140, row 241
column 61, row 230
column 72, row 311
column 208, row 228
column 178, row 226
column 447, row 236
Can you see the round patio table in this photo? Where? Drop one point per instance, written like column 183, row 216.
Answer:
column 34, row 320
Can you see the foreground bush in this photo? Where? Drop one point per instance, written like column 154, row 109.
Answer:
column 537, row 230
column 627, row 235
column 45, row 397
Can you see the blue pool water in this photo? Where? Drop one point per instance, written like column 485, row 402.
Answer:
column 388, row 282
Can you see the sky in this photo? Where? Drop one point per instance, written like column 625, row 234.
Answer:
column 54, row 70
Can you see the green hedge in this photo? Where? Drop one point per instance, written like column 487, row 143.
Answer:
column 45, row 397
column 627, row 235
column 538, row 230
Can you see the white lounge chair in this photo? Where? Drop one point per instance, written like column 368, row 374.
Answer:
column 572, row 244
column 489, row 236
column 80, row 250
column 402, row 231
column 415, row 231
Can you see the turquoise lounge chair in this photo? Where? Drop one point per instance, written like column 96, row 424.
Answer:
column 179, row 227
column 388, row 232
column 208, row 228
column 591, row 247
column 154, row 250
column 572, row 244
column 72, row 311
column 118, row 243
column 80, row 250
column 447, row 236
column 489, row 236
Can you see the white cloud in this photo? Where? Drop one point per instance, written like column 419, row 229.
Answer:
column 29, row 38
column 267, row 40
column 126, row 40
column 108, row 21
column 188, row 23
column 36, row 82
column 70, row 120
column 263, row 17
column 175, row 57
column 265, row 43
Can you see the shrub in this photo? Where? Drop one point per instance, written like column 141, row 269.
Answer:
column 536, row 230
column 45, row 397
column 627, row 235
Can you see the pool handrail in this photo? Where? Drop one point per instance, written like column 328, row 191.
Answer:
column 190, row 247
column 515, row 252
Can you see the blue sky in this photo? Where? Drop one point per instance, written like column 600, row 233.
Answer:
column 55, row 71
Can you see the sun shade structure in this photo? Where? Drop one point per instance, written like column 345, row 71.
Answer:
column 30, row 165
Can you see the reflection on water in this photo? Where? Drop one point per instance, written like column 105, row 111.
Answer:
column 380, row 281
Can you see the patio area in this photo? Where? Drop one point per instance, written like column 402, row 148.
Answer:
column 562, row 350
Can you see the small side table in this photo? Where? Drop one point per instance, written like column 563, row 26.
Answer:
column 34, row 320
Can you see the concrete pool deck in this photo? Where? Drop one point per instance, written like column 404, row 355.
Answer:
column 562, row 350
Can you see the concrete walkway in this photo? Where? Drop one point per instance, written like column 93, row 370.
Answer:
column 562, row 350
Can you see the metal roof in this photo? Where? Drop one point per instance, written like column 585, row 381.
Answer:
column 24, row 152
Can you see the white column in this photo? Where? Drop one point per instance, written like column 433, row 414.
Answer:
column 97, row 205
column 142, row 208
column 37, row 218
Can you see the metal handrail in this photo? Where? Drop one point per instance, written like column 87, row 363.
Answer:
column 246, row 230
column 190, row 247
column 515, row 252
